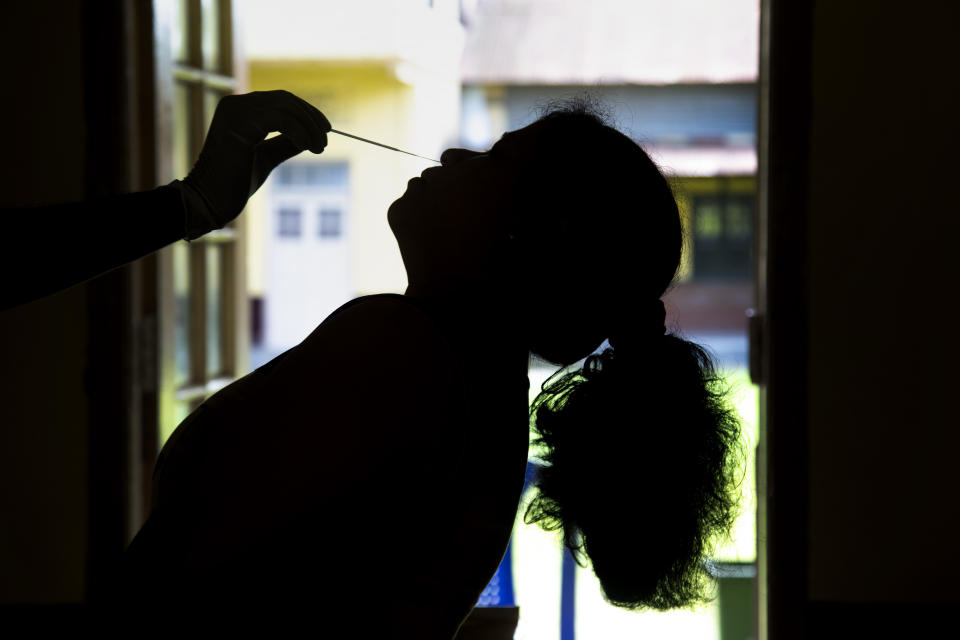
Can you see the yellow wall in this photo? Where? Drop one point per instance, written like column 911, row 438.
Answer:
column 397, row 104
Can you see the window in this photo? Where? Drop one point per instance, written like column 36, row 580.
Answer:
column 312, row 174
column 201, row 294
column 328, row 223
column 289, row 222
column 722, row 236
column 306, row 199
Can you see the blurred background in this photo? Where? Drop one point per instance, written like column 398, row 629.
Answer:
column 815, row 187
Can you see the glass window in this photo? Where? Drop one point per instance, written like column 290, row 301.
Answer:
column 331, row 175
column 739, row 219
column 285, row 174
column 213, row 255
column 199, row 312
column 181, row 410
column 210, row 23
column 210, row 99
column 289, row 222
column 723, row 236
column 179, row 35
column 181, row 151
column 329, row 223
column 312, row 174
column 709, row 225
column 181, row 326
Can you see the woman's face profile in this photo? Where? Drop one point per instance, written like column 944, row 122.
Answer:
column 451, row 220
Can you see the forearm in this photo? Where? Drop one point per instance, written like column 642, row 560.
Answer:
column 53, row 247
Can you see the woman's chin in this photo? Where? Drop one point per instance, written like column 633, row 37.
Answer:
column 394, row 212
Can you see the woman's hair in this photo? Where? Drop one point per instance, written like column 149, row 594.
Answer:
column 640, row 446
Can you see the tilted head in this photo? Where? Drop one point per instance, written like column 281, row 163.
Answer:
column 567, row 214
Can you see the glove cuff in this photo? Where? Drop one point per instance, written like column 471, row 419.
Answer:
column 198, row 219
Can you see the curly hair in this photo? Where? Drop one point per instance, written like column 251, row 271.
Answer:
column 642, row 488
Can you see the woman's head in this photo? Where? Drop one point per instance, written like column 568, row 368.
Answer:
column 567, row 213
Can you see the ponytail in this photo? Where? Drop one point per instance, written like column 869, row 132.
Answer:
column 641, row 463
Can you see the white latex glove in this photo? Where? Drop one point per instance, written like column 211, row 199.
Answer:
column 237, row 158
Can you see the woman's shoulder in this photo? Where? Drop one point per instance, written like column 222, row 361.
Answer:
column 380, row 306
column 376, row 300
column 381, row 347
column 378, row 326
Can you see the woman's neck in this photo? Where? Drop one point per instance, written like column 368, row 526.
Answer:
column 480, row 322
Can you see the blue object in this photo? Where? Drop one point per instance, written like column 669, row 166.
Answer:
column 499, row 592
column 568, row 588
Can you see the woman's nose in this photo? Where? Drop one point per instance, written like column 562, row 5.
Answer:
column 453, row 156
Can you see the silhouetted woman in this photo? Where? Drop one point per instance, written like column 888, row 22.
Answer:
column 368, row 479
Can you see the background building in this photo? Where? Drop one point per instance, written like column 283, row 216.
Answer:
column 387, row 70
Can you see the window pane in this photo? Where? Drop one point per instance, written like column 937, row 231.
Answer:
column 210, row 99
column 312, row 174
column 181, row 410
column 182, row 160
column 289, row 222
column 327, row 174
column 285, row 174
column 214, row 273
column 723, row 237
column 181, row 326
column 179, row 35
column 708, row 222
column 293, row 174
column 330, row 223
column 739, row 219
column 211, row 34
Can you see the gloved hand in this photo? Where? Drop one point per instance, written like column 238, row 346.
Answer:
column 236, row 158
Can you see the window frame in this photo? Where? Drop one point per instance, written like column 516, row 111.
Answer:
column 173, row 400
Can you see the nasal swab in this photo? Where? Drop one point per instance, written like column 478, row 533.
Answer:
column 379, row 144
